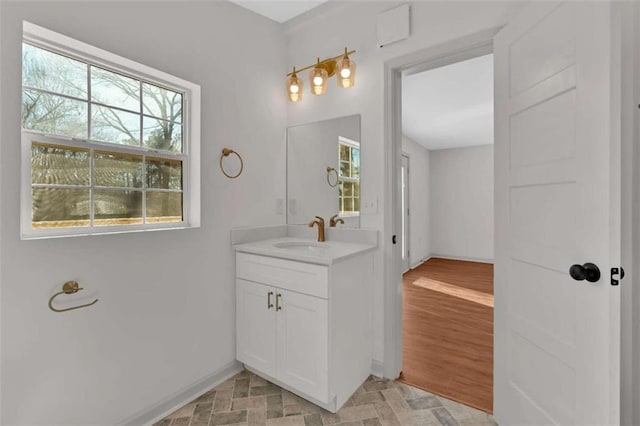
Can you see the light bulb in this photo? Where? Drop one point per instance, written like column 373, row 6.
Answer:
column 294, row 88
column 345, row 73
column 317, row 80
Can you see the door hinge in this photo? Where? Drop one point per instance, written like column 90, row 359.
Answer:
column 617, row 274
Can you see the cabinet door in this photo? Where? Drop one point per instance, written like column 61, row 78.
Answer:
column 256, row 326
column 302, row 338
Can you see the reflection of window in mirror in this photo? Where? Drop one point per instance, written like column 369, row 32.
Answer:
column 349, row 177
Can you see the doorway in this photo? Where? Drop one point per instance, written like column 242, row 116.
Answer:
column 547, row 195
column 447, row 230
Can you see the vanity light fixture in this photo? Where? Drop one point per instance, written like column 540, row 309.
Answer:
column 321, row 71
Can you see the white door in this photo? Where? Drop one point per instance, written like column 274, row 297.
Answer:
column 556, row 339
column 303, row 352
column 406, row 262
column 256, row 326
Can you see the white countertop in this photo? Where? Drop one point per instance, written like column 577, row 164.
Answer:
column 325, row 253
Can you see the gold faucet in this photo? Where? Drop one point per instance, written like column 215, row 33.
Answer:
column 334, row 220
column 320, row 222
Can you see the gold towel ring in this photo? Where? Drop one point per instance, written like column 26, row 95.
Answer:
column 329, row 170
column 225, row 153
column 69, row 287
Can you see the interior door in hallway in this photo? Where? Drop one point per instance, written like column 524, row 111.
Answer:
column 557, row 343
column 406, row 261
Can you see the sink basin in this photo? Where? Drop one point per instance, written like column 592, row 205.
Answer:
column 302, row 246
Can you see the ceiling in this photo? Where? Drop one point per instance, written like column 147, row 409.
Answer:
column 279, row 11
column 451, row 106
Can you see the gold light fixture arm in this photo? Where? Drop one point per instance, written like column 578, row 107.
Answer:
column 70, row 287
column 325, row 63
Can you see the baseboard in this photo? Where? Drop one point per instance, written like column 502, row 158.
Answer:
column 170, row 404
column 377, row 368
column 420, row 262
column 464, row 259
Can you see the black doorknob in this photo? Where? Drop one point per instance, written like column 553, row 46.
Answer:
column 588, row 271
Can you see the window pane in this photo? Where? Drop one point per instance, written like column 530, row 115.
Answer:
column 117, row 207
column 56, row 208
column 344, row 153
column 56, row 73
column 348, row 189
column 164, row 207
column 54, row 114
column 345, row 169
column 119, row 127
column 122, row 170
column 164, row 135
column 59, row 165
column 164, row 174
column 114, row 89
column 356, row 204
column 356, row 189
column 348, row 204
column 355, row 165
column 162, row 103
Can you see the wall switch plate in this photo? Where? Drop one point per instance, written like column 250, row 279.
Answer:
column 293, row 206
column 280, row 206
column 369, row 205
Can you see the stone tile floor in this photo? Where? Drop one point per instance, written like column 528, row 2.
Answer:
column 247, row 399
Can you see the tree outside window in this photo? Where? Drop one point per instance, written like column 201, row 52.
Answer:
column 84, row 182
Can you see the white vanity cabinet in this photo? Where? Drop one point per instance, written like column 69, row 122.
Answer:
column 283, row 334
column 304, row 326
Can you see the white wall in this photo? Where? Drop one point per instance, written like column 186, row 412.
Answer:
column 165, row 318
column 451, row 202
column 419, row 187
column 325, row 32
column 462, row 202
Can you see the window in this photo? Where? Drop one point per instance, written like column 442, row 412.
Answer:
column 349, row 177
column 108, row 145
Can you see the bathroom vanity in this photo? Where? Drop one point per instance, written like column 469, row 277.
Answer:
column 303, row 315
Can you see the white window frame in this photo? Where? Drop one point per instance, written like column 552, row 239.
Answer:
column 351, row 144
column 190, row 154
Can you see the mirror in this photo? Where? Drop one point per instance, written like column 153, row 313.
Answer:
column 323, row 171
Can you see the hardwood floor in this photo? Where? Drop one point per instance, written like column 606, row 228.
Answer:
column 448, row 330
